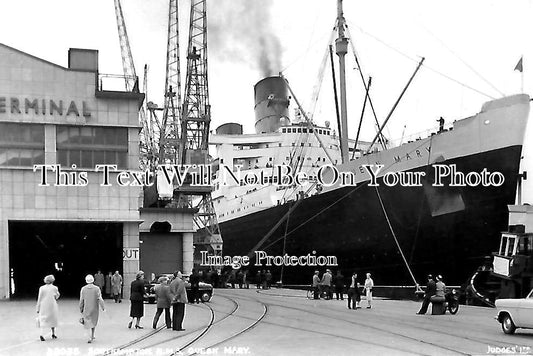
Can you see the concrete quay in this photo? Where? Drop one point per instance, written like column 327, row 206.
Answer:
column 268, row 322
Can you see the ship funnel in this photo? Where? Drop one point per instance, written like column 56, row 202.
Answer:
column 271, row 104
column 230, row 128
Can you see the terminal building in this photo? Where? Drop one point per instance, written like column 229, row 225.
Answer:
column 58, row 214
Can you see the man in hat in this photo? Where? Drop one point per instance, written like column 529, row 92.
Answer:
column 179, row 299
column 316, row 285
column 431, row 289
column 99, row 280
column 164, row 299
column 326, row 283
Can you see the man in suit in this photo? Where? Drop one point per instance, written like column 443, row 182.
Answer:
column 316, row 285
column 338, row 281
column 195, row 286
column 431, row 289
column 179, row 299
column 99, row 281
column 326, row 283
column 162, row 292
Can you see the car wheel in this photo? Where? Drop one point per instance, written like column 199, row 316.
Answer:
column 508, row 326
column 205, row 296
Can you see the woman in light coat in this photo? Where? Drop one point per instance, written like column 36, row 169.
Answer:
column 369, row 284
column 47, row 308
column 116, row 286
column 90, row 301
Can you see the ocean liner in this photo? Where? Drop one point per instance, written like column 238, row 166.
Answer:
column 399, row 233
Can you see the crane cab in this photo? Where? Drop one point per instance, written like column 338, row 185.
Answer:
column 513, row 263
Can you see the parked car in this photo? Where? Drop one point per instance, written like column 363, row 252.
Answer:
column 515, row 313
column 206, row 289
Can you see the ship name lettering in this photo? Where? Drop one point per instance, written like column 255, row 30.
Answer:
column 472, row 179
column 407, row 157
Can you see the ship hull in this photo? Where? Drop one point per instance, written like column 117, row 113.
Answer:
column 440, row 230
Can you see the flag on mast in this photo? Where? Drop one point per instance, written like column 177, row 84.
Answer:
column 519, row 66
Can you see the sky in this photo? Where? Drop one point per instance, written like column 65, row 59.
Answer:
column 470, row 50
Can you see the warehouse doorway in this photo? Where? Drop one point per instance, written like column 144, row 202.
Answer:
column 68, row 250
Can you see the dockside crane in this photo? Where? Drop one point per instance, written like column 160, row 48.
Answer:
column 147, row 146
column 159, row 137
column 179, row 133
column 164, row 122
column 169, row 127
column 195, row 121
column 130, row 76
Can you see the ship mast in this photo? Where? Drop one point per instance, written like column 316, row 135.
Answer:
column 341, row 48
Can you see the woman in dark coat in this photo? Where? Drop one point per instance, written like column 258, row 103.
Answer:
column 136, row 298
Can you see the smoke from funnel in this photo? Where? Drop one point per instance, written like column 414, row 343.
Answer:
column 242, row 30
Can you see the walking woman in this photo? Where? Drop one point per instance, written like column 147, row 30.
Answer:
column 116, row 287
column 90, row 302
column 136, row 298
column 47, row 309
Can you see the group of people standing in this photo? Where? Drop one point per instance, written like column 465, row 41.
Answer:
column 328, row 282
column 354, row 292
column 110, row 285
column 263, row 279
column 168, row 293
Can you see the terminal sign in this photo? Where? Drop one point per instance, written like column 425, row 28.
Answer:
column 130, row 254
column 43, row 106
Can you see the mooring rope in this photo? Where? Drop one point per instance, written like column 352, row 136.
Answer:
column 396, row 239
